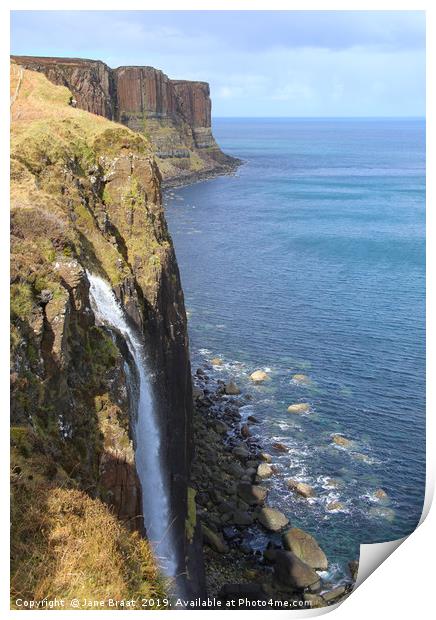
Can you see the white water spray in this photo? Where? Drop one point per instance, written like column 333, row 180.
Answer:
column 155, row 502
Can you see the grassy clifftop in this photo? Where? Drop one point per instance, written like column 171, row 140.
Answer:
column 79, row 168
column 84, row 195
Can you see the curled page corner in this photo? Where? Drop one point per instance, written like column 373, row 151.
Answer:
column 373, row 555
column 370, row 558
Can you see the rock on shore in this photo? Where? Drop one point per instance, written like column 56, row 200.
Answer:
column 272, row 519
column 303, row 489
column 291, row 571
column 305, row 547
column 301, row 379
column 299, row 408
column 232, row 389
column 264, row 470
column 342, row 441
column 252, row 494
column 230, row 476
column 258, row 376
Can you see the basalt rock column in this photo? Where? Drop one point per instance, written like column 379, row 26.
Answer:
column 175, row 115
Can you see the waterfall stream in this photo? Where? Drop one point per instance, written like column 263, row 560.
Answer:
column 155, row 501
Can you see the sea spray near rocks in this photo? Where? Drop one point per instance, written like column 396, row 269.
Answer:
column 244, row 535
column 284, row 278
column 155, row 502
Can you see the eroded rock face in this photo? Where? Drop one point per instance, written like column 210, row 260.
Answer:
column 174, row 114
column 194, row 101
column 90, row 81
column 94, row 204
column 144, row 89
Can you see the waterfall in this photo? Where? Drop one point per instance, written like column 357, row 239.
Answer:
column 155, row 501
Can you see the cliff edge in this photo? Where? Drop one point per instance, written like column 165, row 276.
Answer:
column 175, row 115
column 85, row 196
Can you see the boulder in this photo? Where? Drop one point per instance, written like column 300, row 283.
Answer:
column 335, row 505
column 299, row 408
column 353, row 567
column 241, row 504
column 220, row 427
column 245, row 431
column 264, row 471
column 231, row 389
column 233, row 469
column 301, row 379
column 291, row 571
column 339, row 440
column 216, row 361
column 264, row 456
column 381, row 494
column 359, row 456
column 258, row 376
column 242, row 517
column 280, row 447
column 230, row 533
column 214, row 540
column 303, row 489
column 241, row 452
column 252, row 494
column 305, row 547
column 226, row 507
column 272, row 519
column 334, row 594
column 197, row 393
column 269, row 553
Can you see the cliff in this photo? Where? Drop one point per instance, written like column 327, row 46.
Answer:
column 85, row 196
column 174, row 114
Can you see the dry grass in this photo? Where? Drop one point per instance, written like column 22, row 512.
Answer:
column 68, row 545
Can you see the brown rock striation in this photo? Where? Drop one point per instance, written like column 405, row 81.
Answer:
column 85, row 195
column 90, row 81
column 174, row 114
column 194, row 100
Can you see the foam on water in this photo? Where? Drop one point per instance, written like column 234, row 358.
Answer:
column 313, row 258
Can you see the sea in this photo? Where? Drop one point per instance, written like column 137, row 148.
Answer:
column 310, row 260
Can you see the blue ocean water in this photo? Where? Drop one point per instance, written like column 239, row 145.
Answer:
column 311, row 260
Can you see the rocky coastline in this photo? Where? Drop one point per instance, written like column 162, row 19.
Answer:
column 183, row 179
column 174, row 115
column 228, row 469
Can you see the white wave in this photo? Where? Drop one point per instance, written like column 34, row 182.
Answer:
column 204, row 351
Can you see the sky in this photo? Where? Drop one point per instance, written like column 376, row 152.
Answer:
column 258, row 63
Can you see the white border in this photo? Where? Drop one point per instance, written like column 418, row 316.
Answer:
column 403, row 583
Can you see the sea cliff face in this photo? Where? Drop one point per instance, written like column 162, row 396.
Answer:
column 174, row 114
column 85, row 196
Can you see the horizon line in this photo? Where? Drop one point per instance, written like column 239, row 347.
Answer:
column 361, row 117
